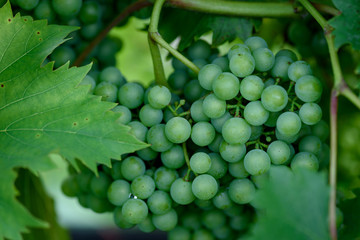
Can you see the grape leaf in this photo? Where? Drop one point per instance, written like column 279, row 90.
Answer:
column 350, row 209
column 44, row 111
column 294, row 206
column 176, row 22
column 347, row 25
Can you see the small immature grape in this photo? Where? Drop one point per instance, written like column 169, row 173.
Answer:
column 44, row 11
column 257, row 162
column 305, row 160
column 298, row 69
column 164, row 177
column 222, row 200
column 232, row 152
column 308, row 88
column 281, row 66
column 125, row 114
column 279, row 152
column 134, row 211
column 200, row 162
column 204, row 187
column 197, row 111
column 166, row 221
column 255, row 113
column 178, row 79
column 287, row 53
column 119, row 219
column 218, row 167
column 132, row 167
column 143, row 186
column 219, row 122
column 181, row 192
column 27, row 4
column 310, row 113
column 202, row 133
column 157, row 138
column 159, row 97
column 256, row 42
column 274, row 98
column 67, row 8
column 321, row 130
column 251, row 87
column 222, row 62
column 236, row 130
column 70, row 187
column 107, row 91
column 138, row 129
column 131, row 95
column 241, row 191
column 215, row 144
column 264, row 59
column 237, row 169
column 173, row 158
column 159, row 202
column 90, row 12
column 213, row 219
column 242, row 65
column 288, row 123
column 99, row 185
column 177, row 130
column 146, row 226
column 208, row 74
column 238, row 49
column 179, row 233
column 193, row 91
column 200, row 49
column 62, row 55
column 150, row 116
column 286, row 138
column 213, row 107
column 311, row 144
column 119, row 192
column 112, row 75
column 226, row 86
column 203, row 234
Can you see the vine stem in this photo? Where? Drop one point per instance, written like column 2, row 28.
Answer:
column 124, row 14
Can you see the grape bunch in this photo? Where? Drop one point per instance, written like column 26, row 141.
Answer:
column 213, row 140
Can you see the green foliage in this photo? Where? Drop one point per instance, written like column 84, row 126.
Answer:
column 43, row 111
column 350, row 209
column 346, row 25
column 292, row 206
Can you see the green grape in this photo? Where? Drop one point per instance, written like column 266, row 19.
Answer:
column 223, row 232
column 204, row 187
column 44, row 11
column 222, row 62
column 208, row 74
column 159, row 97
column 168, row 114
column 179, row 233
column 319, row 44
column 166, row 221
column 239, row 222
column 97, row 204
column 299, row 69
column 191, row 220
column 164, row 178
column 321, row 130
column 274, row 98
column 27, row 4
column 218, row 167
column 279, row 152
column 200, row 49
column 256, row 132
column 287, row 53
column 299, row 33
column 241, row 191
column 178, row 65
column 255, row 114
column 112, row 75
column 88, row 80
column 204, row 204
column 107, row 91
column 260, row 180
column 251, row 87
column 310, row 113
column 273, row 116
column 304, row 160
column 222, row 200
column 264, row 59
column 197, row 111
column 280, row 68
column 193, row 91
column 178, row 79
column 132, row 167
column 213, row 107
column 116, row 170
column 181, row 192
column 124, row 112
column 238, row 49
column 199, row 62
column 150, row 116
column 226, row 86
column 219, row 122
column 202, row 133
column 99, row 185
column 89, row 12
column 67, row 8
column 157, row 138
column 255, row 42
column 134, row 211
column 131, row 95
column 311, row 144
column 142, row 187
column 200, row 162
column 177, row 130
column 236, row 130
column 232, row 152
column 242, row 65
column 159, row 202
column 173, row 158
column 138, row 129
column 106, row 51
column 215, row 144
column 83, row 180
column 257, row 162
column 286, row 138
column 308, row 88
column 269, row 82
column 234, row 210
column 90, row 31
column 213, row 219
column 147, row 225
column 62, row 55
column 237, row 169
column 118, row 192
column 70, row 187
column 202, row 234
column 288, row 124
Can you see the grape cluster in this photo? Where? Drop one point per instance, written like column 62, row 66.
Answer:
column 213, row 139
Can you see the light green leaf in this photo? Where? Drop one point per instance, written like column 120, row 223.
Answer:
column 44, row 111
column 293, row 206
